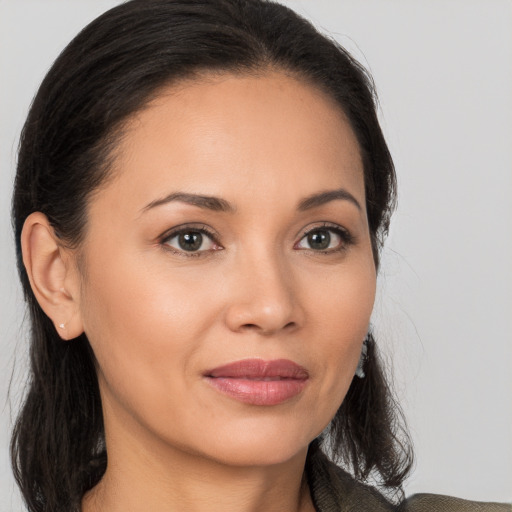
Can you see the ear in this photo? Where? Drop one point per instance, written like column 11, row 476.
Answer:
column 53, row 275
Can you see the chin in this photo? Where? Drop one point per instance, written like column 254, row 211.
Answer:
column 258, row 446
column 257, row 457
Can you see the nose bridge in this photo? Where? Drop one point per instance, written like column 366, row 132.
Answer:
column 265, row 296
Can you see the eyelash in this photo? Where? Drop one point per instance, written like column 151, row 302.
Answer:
column 187, row 229
column 346, row 237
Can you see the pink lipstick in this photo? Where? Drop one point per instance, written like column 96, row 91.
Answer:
column 259, row 382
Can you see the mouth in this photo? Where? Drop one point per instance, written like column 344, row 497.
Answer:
column 259, row 382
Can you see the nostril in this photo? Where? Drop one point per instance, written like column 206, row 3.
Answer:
column 263, row 330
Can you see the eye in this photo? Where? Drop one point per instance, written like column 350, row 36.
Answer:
column 325, row 239
column 190, row 240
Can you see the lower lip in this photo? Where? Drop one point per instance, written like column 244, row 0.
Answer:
column 258, row 392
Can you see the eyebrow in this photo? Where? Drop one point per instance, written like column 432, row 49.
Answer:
column 218, row 204
column 213, row 203
column 321, row 198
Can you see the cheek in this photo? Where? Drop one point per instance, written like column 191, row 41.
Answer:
column 127, row 295
column 342, row 315
column 341, row 301
column 143, row 325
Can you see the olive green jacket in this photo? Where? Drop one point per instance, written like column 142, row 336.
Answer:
column 334, row 490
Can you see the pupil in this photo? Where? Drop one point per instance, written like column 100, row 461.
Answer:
column 190, row 241
column 319, row 240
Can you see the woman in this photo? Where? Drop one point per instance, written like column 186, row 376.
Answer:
column 202, row 193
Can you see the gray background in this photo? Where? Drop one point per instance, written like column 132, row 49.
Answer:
column 443, row 69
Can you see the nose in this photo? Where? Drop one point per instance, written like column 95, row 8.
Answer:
column 264, row 296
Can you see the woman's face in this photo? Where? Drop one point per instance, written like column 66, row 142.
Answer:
column 234, row 231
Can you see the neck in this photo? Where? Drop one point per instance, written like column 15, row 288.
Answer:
column 143, row 475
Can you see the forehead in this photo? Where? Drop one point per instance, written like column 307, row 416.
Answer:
column 238, row 135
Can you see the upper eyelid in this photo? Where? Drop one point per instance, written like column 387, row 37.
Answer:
column 202, row 228
column 324, row 225
column 176, row 230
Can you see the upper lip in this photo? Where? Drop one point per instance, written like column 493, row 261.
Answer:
column 260, row 369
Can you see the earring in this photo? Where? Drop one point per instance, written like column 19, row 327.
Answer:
column 62, row 326
column 362, row 360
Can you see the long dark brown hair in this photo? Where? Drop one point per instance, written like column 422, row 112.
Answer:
column 106, row 74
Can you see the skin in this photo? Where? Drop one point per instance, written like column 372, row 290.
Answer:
column 159, row 317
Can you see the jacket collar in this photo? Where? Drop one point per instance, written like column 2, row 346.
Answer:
column 334, row 490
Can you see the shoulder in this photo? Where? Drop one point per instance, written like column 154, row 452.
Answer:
column 440, row 503
column 334, row 490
